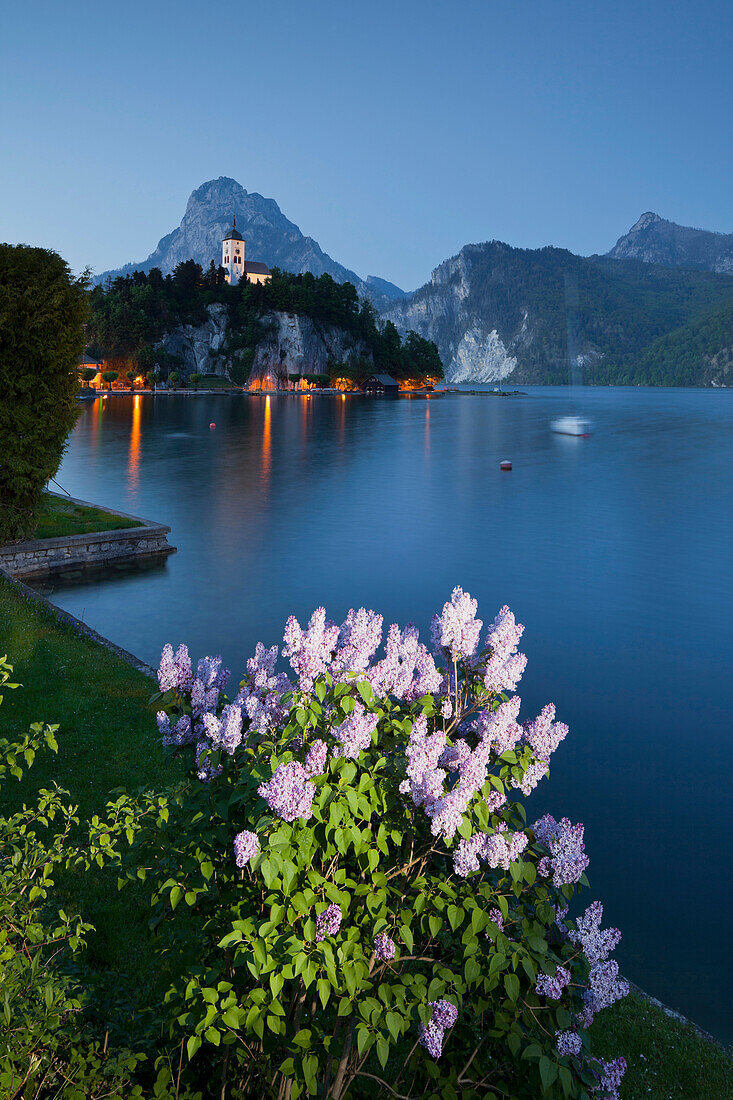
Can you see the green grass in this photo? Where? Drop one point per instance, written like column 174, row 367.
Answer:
column 107, row 739
column 667, row 1060
column 58, row 517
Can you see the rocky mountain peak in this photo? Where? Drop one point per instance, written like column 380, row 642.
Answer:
column 269, row 237
column 655, row 240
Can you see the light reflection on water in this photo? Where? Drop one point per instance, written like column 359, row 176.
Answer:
column 614, row 551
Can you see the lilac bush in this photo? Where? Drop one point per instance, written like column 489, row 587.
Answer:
column 378, row 917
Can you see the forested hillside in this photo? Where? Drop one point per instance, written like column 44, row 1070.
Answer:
column 131, row 315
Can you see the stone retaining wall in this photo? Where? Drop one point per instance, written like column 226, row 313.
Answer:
column 41, row 557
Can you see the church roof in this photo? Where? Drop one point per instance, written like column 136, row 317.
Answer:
column 255, row 268
column 233, row 234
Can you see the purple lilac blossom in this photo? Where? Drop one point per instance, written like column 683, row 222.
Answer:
column 567, row 853
column 211, row 673
column 407, row 670
column 225, row 732
column 544, row 734
column 455, row 633
column 597, row 942
column 610, row 1082
column 328, row 922
column 604, row 989
column 430, row 1036
column 500, row 727
column 203, row 699
column 495, row 800
column 358, row 640
column 174, row 670
column 454, row 755
column 246, row 847
column 497, row 917
column 444, row 1013
column 355, row 733
column 568, row 1043
column 179, row 734
column 547, row 986
column 315, row 760
column 309, row 651
column 205, row 767
column 498, row 849
column 505, row 666
column 288, row 793
column 384, row 947
column 446, row 709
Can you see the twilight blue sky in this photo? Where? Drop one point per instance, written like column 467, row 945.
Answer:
column 393, row 133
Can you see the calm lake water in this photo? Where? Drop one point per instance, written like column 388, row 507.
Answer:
column 614, row 551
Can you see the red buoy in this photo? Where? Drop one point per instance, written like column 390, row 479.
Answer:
column 212, row 424
column 505, row 465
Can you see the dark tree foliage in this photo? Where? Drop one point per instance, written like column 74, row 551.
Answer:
column 42, row 314
column 131, row 313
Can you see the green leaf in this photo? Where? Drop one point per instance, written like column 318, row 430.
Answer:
column 407, row 938
column 324, row 990
column 548, row 1072
column 511, row 984
column 382, row 1051
column 175, row 896
column 394, row 1023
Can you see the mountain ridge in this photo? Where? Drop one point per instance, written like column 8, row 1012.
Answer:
column 653, row 239
column 269, row 236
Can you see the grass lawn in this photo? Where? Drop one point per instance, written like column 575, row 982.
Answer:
column 107, row 739
column 58, row 517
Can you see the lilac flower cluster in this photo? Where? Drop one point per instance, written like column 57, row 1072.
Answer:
column 359, row 638
column 384, row 947
column 567, row 859
column 499, row 849
column 225, row 731
column 355, row 733
column 309, row 651
column 505, row 666
column 261, row 692
column 407, row 670
column 610, row 1082
column 547, row 986
column 431, row 1035
column 455, row 633
column 605, row 987
column 175, row 669
column 315, row 760
column 179, row 734
column 328, row 922
column 246, row 847
column 288, row 793
column 597, row 942
column 543, row 736
column 568, row 1043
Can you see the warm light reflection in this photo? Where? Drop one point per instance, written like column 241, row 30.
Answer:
column 266, row 444
column 133, row 465
column 427, row 430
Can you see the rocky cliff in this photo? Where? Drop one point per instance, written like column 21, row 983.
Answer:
column 657, row 241
column 542, row 315
column 269, row 236
column 290, row 344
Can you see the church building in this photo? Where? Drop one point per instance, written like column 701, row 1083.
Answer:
column 234, row 263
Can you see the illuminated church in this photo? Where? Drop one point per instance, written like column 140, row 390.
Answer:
column 234, row 263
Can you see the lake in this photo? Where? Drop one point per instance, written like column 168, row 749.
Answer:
column 615, row 551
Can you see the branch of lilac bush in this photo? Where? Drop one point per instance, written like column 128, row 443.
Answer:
column 442, row 779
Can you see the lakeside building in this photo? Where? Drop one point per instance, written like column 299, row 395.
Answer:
column 380, row 383
column 232, row 260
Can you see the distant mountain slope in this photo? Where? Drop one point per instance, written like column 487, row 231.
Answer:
column 497, row 312
column 657, row 241
column 699, row 353
column 269, row 236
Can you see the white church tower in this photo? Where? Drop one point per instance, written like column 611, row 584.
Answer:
column 232, row 254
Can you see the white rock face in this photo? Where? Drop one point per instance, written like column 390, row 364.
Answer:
column 291, row 344
column 200, row 346
column 296, row 346
column 481, row 357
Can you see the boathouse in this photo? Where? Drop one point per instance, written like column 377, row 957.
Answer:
column 380, row 383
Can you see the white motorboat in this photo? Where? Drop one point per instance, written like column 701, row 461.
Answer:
column 572, row 425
